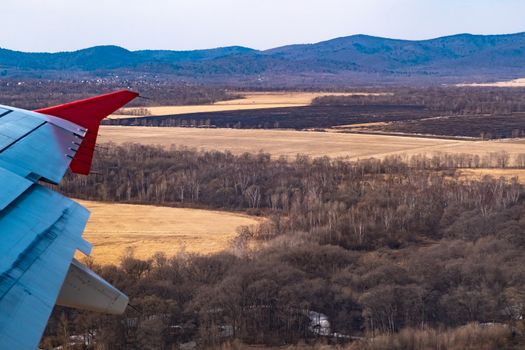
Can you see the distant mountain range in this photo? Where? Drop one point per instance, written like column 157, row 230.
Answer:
column 357, row 59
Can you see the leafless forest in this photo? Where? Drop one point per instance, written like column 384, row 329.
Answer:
column 388, row 249
column 34, row 94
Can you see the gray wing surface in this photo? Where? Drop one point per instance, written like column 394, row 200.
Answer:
column 40, row 229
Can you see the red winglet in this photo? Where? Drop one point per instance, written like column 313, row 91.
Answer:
column 89, row 113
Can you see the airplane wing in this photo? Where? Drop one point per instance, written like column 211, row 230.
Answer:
column 40, row 229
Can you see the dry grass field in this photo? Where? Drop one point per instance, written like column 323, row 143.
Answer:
column 290, row 143
column 287, row 98
column 251, row 100
column 113, row 228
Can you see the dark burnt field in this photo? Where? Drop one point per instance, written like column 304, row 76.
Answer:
column 407, row 119
column 287, row 118
column 485, row 127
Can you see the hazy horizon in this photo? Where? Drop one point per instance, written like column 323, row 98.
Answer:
column 60, row 25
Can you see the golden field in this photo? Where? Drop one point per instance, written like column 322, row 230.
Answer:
column 250, row 100
column 113, row 228
column 286, row 97
column 290, row 143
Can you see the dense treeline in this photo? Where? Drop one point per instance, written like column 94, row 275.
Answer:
column 34, row 94
column 180, row 176
column 374, row 247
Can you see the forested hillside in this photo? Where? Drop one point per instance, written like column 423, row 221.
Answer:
column 345, row 61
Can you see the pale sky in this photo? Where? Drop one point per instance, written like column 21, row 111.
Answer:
column 64, row 25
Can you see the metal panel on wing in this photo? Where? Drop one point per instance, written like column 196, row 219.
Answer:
column 29, row 288
column 20, row 224
column 40, row 229
column 45, row 151
column 16, row 125
column 12, row 187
